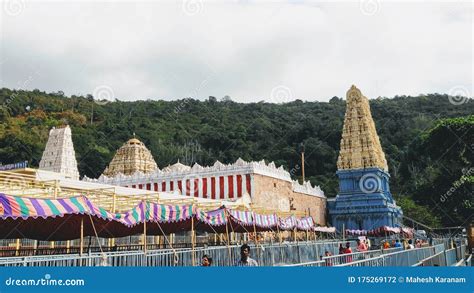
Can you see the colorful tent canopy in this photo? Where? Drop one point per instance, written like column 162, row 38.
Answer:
column 266, row 221
column 21, row 207
column 153, row 212
column 381, row 231
column 60, row 219
column 305, row 224
column 289, row 223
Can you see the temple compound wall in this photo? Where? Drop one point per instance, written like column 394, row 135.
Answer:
column 267, row 186
column 289, row 196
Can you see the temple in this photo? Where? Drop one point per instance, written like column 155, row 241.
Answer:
column 132, row 157
column 59, row 155
column 264, row 185
column 364, row 201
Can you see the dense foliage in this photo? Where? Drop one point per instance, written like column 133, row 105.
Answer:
column 426, row 155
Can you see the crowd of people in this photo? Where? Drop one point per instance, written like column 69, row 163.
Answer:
column 362, row 246
column 365, row 245
column 404, row 243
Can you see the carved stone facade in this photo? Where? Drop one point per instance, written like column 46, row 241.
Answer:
column 59, row 155
column 132, row 157
column 360, row 144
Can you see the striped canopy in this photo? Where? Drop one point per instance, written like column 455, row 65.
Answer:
column 22, row 207
column 266, row 221
column 177, row 217
column 153, row 212
column 288, row 223
column 305, row 224
column 245, row 218
column 213, row 218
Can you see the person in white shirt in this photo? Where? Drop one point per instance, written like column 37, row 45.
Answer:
column 245, row 260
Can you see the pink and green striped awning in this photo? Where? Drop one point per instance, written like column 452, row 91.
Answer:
column 22, row 207
column 17, row 207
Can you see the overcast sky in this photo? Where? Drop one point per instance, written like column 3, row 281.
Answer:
column 249, row 50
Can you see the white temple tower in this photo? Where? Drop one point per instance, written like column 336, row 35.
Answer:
column 59, row 155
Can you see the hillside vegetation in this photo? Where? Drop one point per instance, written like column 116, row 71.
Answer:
column 428, row 141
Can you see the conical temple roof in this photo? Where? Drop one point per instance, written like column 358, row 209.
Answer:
column 131, row 157
column 360, row 144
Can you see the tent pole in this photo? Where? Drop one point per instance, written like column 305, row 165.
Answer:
column 227, row 235
column 294, row 233
column 192, row 242
column 144, row 236
column 343, row 232
column 279, row 233
column 255, row 233
column 55, row 194
column 17, row 246
column 256, row 238
column 114, row 210
column 81, row 244
column 144, row 227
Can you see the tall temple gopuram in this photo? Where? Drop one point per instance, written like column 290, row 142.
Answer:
column 364, row 201
column 59, row 155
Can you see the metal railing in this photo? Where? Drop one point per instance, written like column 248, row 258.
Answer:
column 449, row 257
column 400, row 258
column 335, row 260
column 304, row 253
column 265, row 254
column 318, row 263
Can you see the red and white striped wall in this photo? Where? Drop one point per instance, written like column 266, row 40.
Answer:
column 213, row 187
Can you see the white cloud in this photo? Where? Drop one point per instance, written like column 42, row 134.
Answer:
column 243, row 49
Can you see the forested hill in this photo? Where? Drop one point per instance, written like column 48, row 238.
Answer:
column 220, row 129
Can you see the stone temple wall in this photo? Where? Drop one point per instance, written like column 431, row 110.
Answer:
column 278, row 194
